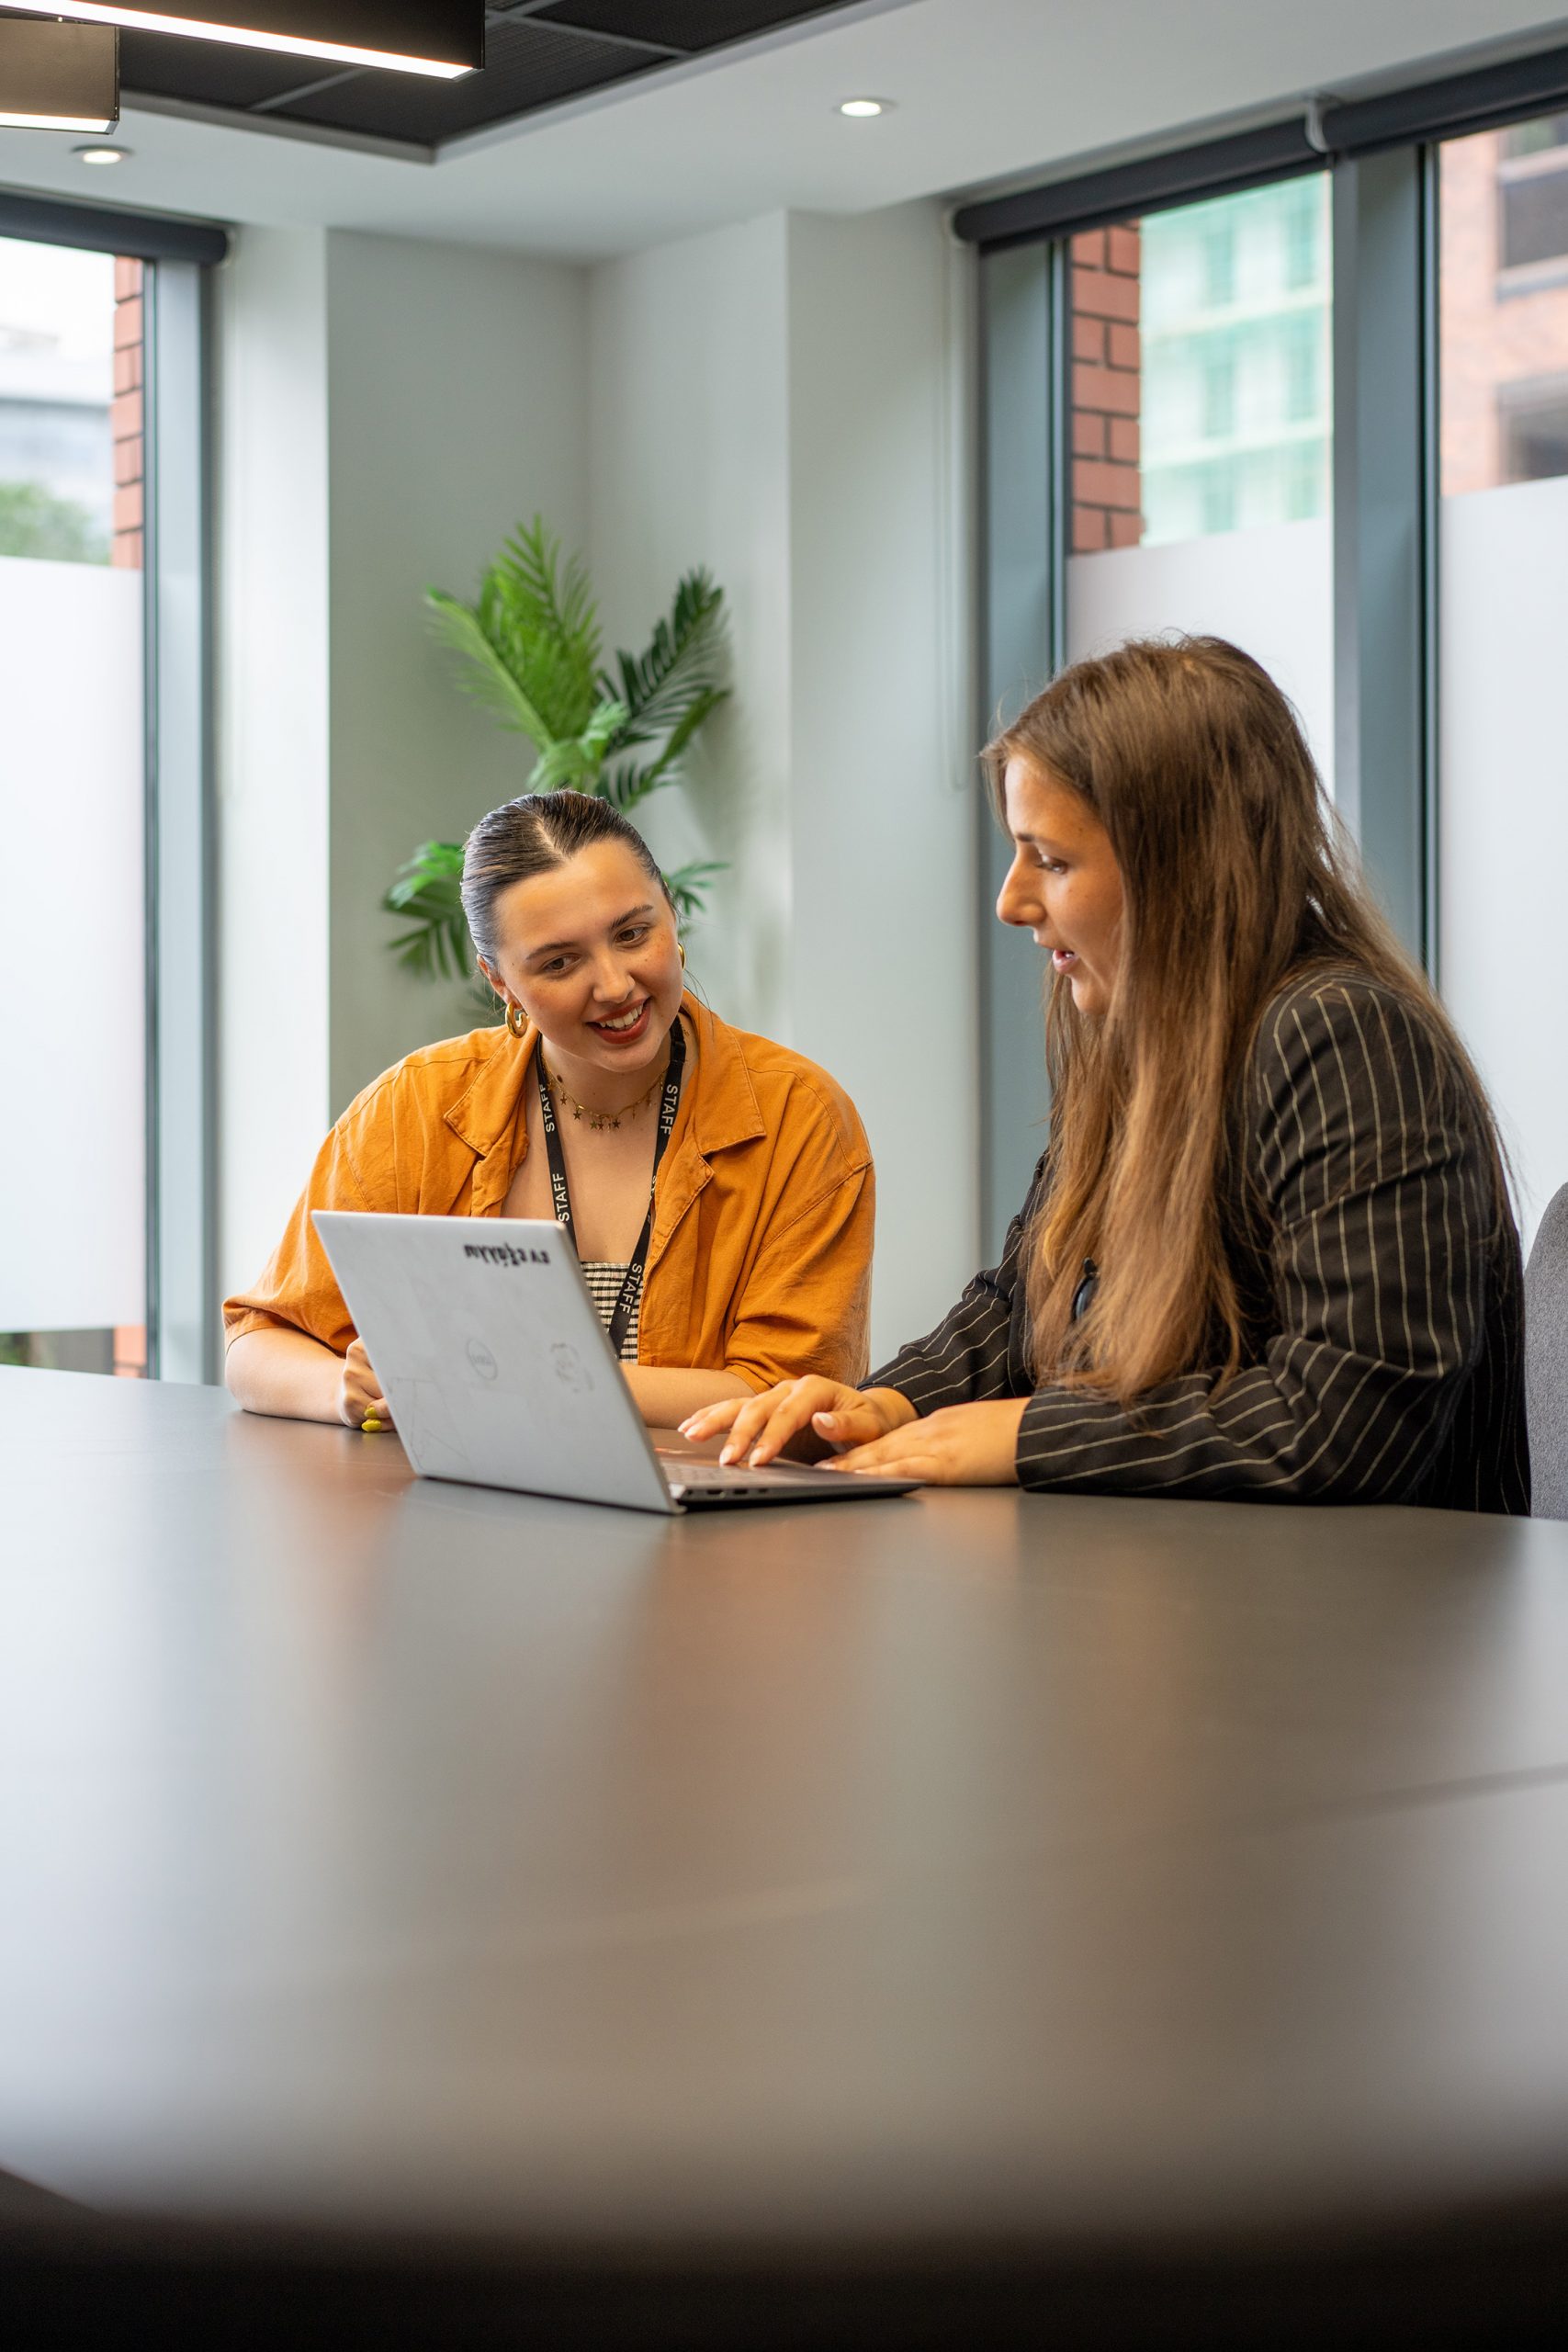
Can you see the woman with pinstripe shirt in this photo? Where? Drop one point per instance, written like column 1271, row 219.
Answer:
column 1269, row 1251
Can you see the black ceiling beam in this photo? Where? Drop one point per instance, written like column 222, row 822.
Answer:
column 1483, row 99
column 1216, row 167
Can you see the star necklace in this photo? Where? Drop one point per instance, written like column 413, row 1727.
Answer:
column 599, row 1120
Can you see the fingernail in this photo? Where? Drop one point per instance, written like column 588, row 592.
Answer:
column 827, row 1420
column 726, row 1454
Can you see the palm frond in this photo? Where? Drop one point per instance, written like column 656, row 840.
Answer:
column 543, row 616
column 490, row 675
column 629, row 784
column 530, row 640
column 563, row 600
column 529, row 647
column 577, row 762
column 686, row 657
column 689, row 886
column 438, row 946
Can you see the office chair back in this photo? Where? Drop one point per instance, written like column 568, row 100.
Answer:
column 1546, row 1361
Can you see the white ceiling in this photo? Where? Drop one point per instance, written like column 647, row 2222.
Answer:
column 984, row 91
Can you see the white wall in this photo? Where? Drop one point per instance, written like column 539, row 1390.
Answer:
column 455, row 411
column 688, row 402
column 882, row 813
column 1503, row 812
column 273, row 666
column 389, row 411
column 780, row 402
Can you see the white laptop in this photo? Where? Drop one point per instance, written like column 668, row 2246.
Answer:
column 497, row 1371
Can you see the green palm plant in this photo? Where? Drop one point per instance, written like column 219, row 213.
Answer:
column 532, row 651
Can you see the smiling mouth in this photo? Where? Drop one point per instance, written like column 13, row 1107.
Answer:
column 624, row 1025
column 1064, row 959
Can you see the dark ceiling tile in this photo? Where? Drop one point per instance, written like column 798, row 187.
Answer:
column 533, row 60
column 526, row 65
column 210, row 72
column 685, row 24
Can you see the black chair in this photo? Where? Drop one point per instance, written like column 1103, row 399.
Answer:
column 1546, row 1361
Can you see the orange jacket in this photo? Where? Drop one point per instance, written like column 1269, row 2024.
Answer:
column 760, row 1263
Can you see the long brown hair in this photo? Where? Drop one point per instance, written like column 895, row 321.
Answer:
column 1235, row 878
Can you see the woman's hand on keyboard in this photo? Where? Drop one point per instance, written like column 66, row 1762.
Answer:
column 809, row 1417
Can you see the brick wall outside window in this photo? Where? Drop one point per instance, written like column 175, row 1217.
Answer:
column 125, row 417
column 1106, row 395
column 125, row 545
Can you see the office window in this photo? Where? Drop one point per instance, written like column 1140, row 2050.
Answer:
column 1202, row 434
column 1503, row 555
column 73, row 1185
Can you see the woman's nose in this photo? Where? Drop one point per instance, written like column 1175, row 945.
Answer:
column 1017, row 902
column 611, row 980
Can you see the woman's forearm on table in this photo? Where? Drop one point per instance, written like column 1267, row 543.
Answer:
column 285, row 1374
column 665, row 1395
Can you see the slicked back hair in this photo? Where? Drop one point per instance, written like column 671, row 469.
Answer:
column 531, row 835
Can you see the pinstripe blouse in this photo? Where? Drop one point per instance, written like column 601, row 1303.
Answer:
column 1385, row 1302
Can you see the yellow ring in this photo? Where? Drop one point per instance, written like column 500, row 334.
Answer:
column 372, row 1424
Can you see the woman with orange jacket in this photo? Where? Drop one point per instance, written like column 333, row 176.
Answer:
column 718, row 1188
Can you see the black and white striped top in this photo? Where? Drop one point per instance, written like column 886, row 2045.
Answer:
column 604, row 1289
column 1387, row 1301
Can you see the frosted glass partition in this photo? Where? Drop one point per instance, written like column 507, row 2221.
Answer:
column 1503, row 811
column 72, row 1055
column 1268, row 589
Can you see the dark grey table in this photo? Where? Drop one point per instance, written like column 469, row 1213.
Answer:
column 454, row 1918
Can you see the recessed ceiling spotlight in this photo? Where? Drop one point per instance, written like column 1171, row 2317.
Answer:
column 862, row 109
column 102, row 155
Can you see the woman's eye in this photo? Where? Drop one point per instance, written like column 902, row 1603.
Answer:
column 554, row 968
column 634, row 932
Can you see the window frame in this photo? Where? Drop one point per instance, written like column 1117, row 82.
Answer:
column 1380, row 155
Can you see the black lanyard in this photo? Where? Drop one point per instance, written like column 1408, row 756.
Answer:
column 560, row 1191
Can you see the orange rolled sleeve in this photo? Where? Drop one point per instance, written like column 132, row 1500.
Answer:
column 807, row 1306
column 297, row 1290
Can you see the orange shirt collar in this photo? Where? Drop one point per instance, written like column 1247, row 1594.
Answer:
column 720, row 1108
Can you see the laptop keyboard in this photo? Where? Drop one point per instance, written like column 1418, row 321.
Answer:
column 692, row 1481
column 721, row 1474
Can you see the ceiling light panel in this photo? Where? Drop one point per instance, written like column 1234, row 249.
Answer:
column 58, row 78
column 441, row 38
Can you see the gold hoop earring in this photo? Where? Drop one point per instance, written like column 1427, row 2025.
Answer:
column 516, row 1020
column 682, row 953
